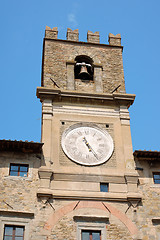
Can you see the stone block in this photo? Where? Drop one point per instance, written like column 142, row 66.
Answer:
column 72, row 35
column 51, row 33
column 114, row 39
column 93, row 37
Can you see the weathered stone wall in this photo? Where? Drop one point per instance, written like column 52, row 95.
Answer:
column 57, row 54
column 18, row 192
column 147, row 216
column 19, row 195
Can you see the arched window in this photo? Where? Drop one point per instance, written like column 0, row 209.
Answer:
column 83, row 68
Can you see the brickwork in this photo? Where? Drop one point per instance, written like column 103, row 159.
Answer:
column 58, row 52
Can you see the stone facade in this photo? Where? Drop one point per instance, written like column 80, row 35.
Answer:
column 60, row 198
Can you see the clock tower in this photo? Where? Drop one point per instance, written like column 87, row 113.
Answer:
column 87, row 174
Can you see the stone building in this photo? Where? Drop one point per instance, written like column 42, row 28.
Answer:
column 83, row 181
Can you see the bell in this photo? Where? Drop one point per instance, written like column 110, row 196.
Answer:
column 84, row 75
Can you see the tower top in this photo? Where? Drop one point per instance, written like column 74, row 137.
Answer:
column 79, row 66
column 73, row 35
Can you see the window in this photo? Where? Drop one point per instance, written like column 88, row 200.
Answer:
column 104, row 187
column 13, row 232
column 91, row 228
column 18, row 170
column 156, row 177
column 91, row 235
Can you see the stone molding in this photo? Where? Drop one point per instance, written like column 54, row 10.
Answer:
column 47, row 107
column 124, row 115
column 44, row 172
column 132, row 182
column 10, row 213
column 83, row 43
column 101, row 99
column 131, row 177
column 61, row 176
column 45, row 175
column 83, row 111
column 91, row 218
column 81, row 195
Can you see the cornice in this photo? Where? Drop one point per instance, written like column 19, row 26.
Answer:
column 81, row 195
column 60, row 95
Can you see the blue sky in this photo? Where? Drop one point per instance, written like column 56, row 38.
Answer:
column 22, row 25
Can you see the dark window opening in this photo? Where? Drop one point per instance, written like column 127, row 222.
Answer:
column 63, row 123
column 13, row 232
column 91, row 235
column 104, row 187
column 107, row 125
column 83, row 68
column 19, row 170
column 156, row 177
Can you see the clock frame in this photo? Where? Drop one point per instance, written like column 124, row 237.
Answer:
column 87, row 144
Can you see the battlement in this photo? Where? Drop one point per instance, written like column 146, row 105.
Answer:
column 73, row 35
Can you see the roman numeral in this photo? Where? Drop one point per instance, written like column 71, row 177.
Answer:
column 101, row 145
column 99, row 139
column 86, row 132
column 79, row 133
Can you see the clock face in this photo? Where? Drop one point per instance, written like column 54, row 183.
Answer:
column 87, row 144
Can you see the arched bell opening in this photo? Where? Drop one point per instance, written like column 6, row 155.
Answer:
column 83, row 68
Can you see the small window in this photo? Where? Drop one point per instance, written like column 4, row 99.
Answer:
column 104, row 187
column 156, row 177
column 18, row 170
column 13, row 232
column 91, row 235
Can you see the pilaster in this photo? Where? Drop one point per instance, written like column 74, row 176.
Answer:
column 47, row 114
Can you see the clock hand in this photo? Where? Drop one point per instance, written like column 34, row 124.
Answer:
column 89, row 147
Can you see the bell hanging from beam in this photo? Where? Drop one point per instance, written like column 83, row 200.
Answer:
column 84, row 74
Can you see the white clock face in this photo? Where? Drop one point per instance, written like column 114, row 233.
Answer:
column 87, row 144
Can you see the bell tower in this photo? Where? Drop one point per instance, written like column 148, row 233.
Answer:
column 88, row 158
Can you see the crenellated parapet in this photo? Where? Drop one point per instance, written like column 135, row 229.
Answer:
column 73, row 35
column 114, row 39
column 93, row 37
column 51, row 33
